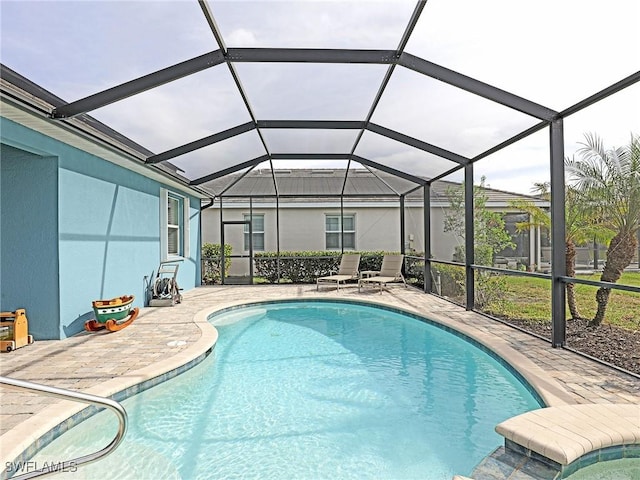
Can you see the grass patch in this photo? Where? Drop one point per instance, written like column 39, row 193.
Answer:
column 530, row 299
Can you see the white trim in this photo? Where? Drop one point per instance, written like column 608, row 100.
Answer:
column 183, row 228
column 164, row 241
column 340, row 226
column 244, row 217
column 186, row 231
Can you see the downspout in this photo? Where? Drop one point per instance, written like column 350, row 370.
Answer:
column 211, row 200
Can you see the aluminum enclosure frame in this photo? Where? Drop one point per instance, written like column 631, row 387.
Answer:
column 548, row 118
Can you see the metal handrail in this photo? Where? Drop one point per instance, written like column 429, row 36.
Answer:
column 79, row 397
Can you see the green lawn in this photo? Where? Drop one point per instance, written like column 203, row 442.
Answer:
column 530, row 298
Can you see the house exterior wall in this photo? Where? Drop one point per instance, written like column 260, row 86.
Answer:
column 102, row 235
column 28, row 238
column 302, row 227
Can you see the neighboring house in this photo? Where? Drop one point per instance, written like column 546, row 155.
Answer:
column 371, row 221
column 82, row 217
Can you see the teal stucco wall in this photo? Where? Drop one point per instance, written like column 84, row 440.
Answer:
column 104, row 232
column 28, row 238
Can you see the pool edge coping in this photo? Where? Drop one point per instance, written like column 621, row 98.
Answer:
column 15, row 443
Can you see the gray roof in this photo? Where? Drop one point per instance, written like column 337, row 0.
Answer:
column 310, row 185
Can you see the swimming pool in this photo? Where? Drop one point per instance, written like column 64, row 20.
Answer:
column 313, row 389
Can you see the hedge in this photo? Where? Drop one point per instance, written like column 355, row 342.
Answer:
column 306, row 266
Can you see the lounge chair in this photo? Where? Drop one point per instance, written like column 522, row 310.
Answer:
column 390, row 272
column 348, row 270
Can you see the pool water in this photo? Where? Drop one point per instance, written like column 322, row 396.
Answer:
column 622, row 469
column 312, row 390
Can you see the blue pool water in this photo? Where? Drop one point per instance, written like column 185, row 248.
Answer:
column 312, row 390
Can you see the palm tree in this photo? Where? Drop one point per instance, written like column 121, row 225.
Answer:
column 579, row 228
column 610, row 179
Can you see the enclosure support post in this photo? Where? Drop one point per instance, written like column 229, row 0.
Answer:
column 469, row 239
column 278, row 237
column 222, row 259
column 341, row 224
column 403, row 249
column 251, row 240
column 426, row 214
column 558, row 249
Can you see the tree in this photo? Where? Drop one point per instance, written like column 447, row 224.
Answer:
column 579, row 228
column 490, row 234
column 610, row 181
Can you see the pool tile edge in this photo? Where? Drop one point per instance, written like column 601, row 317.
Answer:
column 22, row 441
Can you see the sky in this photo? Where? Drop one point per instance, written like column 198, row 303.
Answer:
column 552, row 52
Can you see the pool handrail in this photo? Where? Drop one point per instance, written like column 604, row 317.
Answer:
column 64, row 394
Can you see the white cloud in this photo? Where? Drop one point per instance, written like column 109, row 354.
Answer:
column 241, row 37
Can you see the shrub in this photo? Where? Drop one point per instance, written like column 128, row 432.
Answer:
column 306, row 266
column 449, row 280
column 296, row 267
column 490, row 289
column 414, row 270
column 211, row 262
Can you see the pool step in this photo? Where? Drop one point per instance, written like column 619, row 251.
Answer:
column 552, row 443
column 505, row 464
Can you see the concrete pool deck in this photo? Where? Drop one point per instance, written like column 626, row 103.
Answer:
column 163, row 339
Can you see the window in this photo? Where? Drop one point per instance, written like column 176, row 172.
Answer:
column 258, row 232
column 174, row 216
column 174, row 220
column 333, row 232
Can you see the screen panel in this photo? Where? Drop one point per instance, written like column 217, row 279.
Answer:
column 313, row 24
column 556, row 57
column 301, row 91
column 75, row 49
column 446, row 116
column 400, row 156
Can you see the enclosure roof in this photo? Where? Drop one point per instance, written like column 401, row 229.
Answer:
column 410, row 92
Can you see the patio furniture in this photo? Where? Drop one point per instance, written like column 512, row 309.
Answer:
column 348, row 270
column 390, row 272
